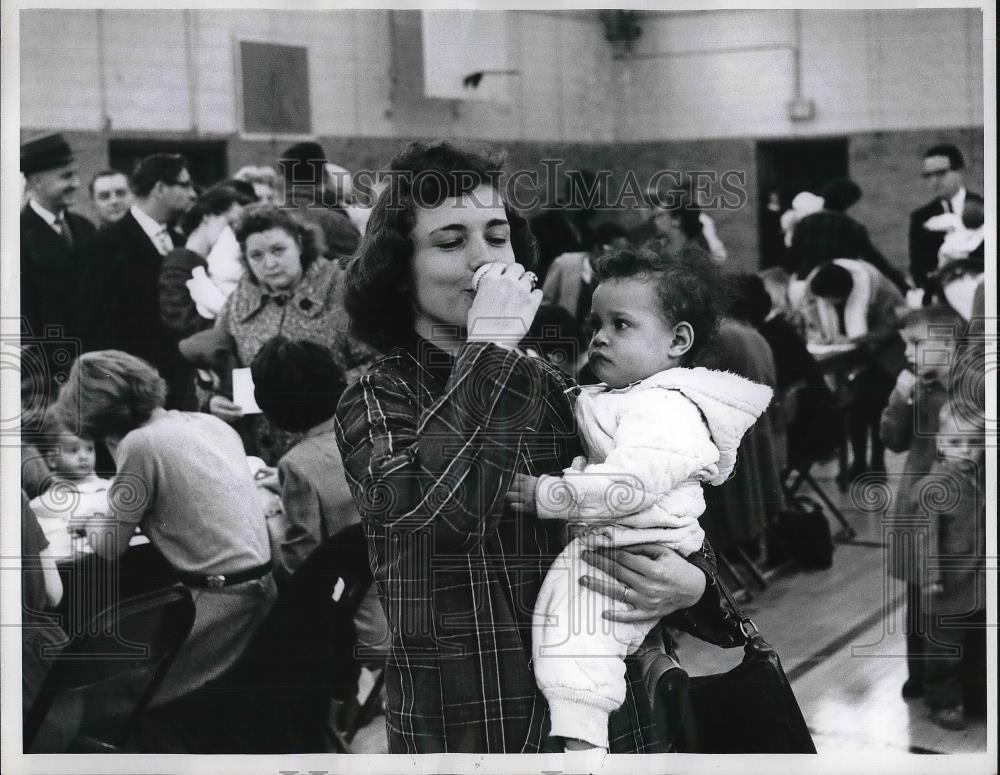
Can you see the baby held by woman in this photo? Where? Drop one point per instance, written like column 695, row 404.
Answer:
column 655, row 430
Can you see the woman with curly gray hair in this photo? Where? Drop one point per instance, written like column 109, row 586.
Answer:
column 290, row 290
column 183, row 479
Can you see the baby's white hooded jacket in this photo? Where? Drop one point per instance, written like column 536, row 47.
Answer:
column 650, row 447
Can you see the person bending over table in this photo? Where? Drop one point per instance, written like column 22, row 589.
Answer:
column 183, row 478
column 852, row 301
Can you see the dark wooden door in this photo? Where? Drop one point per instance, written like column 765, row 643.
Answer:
column 785, row 168
column 207, row 159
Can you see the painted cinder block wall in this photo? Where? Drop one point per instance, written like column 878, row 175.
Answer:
column 870, row 73
column 886, row 165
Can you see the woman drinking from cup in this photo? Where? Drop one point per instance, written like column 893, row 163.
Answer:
column 432, row 437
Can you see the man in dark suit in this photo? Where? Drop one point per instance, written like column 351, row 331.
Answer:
column 55, row 243
column 124, row 281
column 317, row 190
column 831, row 233
column 111, row 195
column 943, row 165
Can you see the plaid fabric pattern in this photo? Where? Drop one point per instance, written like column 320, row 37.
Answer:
column 430, row 445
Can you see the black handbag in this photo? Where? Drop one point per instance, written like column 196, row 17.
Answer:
column 750, row 709
column 802, row 532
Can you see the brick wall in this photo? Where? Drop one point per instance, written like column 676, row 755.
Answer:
column 885, row 164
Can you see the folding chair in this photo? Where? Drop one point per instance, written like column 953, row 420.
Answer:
column 277, row 697
column 800, row 473
column 330, row 586
column 116, row 684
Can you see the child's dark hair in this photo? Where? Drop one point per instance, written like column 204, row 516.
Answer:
column 296, row 384
column 689, row 285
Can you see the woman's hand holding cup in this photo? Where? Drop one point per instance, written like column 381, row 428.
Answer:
column 505, row 304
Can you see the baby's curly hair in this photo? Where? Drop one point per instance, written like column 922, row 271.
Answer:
column 689, row 284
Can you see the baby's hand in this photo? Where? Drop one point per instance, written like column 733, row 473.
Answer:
column 267, row 479
column 521, row 495
column 603, row 536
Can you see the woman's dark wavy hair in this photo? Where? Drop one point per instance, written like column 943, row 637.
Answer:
column 688, row 283
column 379, row 283
column 216, row 201
column 258, row 218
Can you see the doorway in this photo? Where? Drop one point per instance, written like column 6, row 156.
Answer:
column 785, row 168
column 206, row 159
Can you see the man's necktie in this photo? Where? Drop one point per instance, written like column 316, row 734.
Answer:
column 62, row 226
column 164, row 243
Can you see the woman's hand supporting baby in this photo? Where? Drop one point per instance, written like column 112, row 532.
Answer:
column 659, row 580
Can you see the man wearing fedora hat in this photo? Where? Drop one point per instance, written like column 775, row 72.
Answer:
column 55, row 243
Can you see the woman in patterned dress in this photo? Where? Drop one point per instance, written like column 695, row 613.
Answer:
column 289, row 289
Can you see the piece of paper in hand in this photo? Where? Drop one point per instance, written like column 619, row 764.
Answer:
column 243, row 391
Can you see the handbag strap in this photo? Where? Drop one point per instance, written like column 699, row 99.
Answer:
column 747, row 627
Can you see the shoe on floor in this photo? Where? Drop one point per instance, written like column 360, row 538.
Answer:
column 913, row 689
column 950, row 718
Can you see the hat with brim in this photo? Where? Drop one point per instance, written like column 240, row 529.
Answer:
column 45, row 153
column 303, row 163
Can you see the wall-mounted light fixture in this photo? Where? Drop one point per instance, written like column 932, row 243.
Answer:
column 621, row 30
column 472, row 80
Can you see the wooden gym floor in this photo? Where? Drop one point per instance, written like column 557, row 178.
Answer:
column 838, row 633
